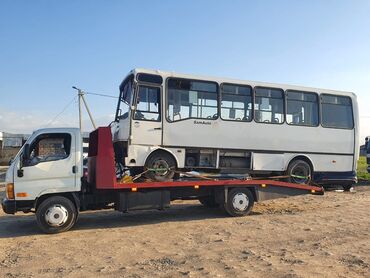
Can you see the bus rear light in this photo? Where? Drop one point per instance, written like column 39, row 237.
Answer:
column 10, row 191
column 263, row 185
column 134, row 189
column 196, row 186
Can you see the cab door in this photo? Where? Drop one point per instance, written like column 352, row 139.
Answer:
column 48, row 165
column 146, row 128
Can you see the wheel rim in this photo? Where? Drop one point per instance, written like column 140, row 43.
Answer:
column 300, row 174
column 240, row 202
column 56, row 215
column 161, row 167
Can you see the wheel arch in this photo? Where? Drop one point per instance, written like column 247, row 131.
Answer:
column 72, row 196
column 157, row 150
column 300, row 157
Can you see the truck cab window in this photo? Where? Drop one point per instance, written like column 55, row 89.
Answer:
column 148, row 104
column 49, row 147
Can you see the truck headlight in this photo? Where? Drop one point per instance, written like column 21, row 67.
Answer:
column 10, row 191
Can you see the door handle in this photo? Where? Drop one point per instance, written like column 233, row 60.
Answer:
column 74, row 169
column 157, row 128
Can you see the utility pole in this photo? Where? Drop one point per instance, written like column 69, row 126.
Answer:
column 80, row 108
column 82, row 100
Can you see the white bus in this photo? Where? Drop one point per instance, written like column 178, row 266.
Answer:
column 167, row 121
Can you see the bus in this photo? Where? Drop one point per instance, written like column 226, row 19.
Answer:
column 169, row 122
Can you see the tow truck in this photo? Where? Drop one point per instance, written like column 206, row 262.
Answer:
column 48, row 178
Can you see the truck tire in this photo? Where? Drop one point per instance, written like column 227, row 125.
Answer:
column 208, row 201
column 239, row 202
column 56, row 214
column 299, row 168
column 161, row 166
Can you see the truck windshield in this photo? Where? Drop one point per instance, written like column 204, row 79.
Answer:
column 125, row 99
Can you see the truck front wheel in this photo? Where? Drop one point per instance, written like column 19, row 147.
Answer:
column 56, row 214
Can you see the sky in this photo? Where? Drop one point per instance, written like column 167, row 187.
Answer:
column 46, row 47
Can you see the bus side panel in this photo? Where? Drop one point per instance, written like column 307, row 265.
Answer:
column 260, row 137
column 326, row 163
column 320, row 162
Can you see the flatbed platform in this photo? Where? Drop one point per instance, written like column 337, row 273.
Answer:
column 230, row 182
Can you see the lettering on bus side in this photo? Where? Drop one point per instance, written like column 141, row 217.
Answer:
column 202, row 122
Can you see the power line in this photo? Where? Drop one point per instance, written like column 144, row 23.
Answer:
column 101, row 95
column 64, row 109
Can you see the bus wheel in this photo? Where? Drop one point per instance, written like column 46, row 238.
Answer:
column 160, row 166
column 347, row 187
column 56, row 214
column 208, row 201
column 299, row 171
column 239, row 202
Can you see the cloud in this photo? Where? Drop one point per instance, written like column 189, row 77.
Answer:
column 27, row 122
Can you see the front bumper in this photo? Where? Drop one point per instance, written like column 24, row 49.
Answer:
column 9, row 206
column 12, row 206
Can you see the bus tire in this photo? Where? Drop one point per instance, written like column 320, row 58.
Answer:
column 299, row 167
column 161, row 166
column 56, row 214
column 347, row 187
column 239, row 202
column 208, row 201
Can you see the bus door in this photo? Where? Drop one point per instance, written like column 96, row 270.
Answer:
column 146, row 128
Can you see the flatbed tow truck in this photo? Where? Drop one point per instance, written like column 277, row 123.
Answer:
column 57, row 189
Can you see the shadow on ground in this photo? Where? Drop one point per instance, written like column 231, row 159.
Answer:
column 25, row 225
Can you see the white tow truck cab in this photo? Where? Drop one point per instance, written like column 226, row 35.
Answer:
column 50, row 162
column 47, row 177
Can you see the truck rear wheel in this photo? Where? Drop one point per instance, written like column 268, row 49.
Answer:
column 239, row 202
column 56, row 214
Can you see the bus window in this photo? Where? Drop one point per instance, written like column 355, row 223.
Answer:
column 302, row 108
column 269, row 105
column 236, row 102
column 148, row 104
column 191, row 99
column 125, row 98
column 336, row 111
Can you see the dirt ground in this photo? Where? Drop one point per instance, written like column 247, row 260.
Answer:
column 304, row 236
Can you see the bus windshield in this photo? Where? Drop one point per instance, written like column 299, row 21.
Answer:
column 125, row 99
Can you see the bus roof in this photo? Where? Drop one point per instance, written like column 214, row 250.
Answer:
column 166, row 74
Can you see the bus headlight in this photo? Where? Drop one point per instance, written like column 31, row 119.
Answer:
column 10, row 191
